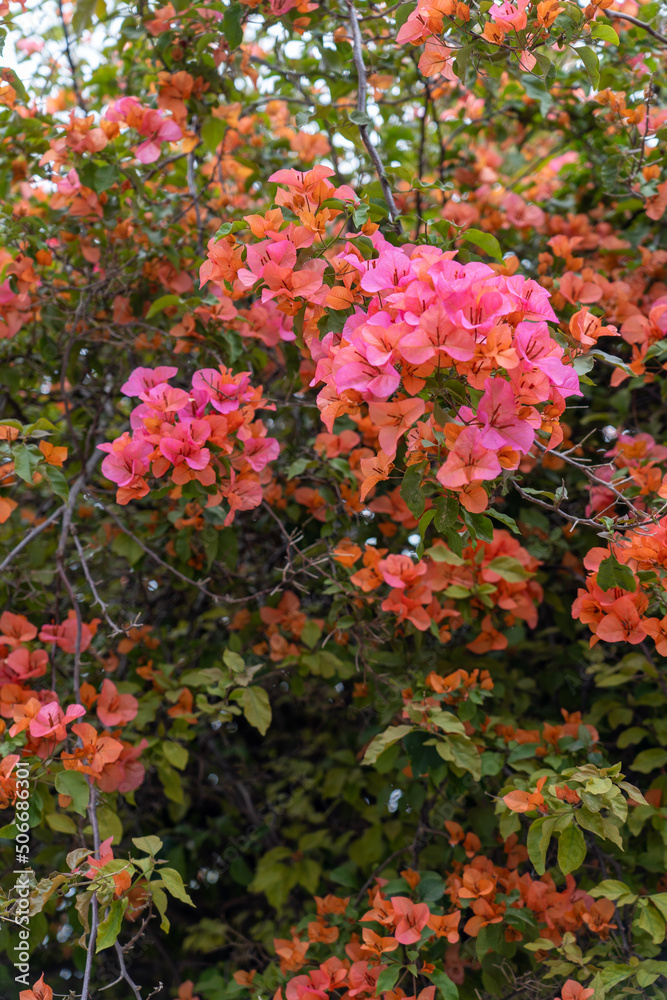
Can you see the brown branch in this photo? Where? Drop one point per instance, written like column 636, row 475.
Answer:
column 638, row 24
column 70, row 59
column 116, row 629
column 362, row 90
column 29, row 537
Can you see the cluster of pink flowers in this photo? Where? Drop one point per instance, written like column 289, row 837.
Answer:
column 628, row 610
column 414, row 312
column 431, row 315
column 37, row 713
column 208, row 434
column 147, row 122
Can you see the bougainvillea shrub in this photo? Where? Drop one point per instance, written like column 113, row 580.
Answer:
column 333, row 500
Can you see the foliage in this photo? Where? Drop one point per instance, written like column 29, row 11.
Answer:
column 332, row 500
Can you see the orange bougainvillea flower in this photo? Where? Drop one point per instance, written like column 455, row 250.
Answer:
column 15, row 629
column 522, row 802
column 52, row 454
column 7, row 506
column 623, row 623
column 599, row 918
column 446, row 925
column 114, row 709
column 97, row 751
column 244, row 978
column 374, row 471
column 572, row 990
column 39, row 991
column 411, row 919
column 346, row 552
column 375, row 945
column 186, row 989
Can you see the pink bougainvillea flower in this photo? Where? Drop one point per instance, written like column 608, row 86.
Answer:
column 114, row 709
column 51, row 720
column 468, row 461
column 412, row 919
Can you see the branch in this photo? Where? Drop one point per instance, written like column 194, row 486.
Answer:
column 116, row 629
column 158, row 559
column 362, row 89
column 70, row 59
column 192, row 188
column 124, row 974
column 60, row 563
column 29, row 537
column 639, row 24
column 90, row 951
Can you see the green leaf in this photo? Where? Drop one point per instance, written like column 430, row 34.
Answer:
column 257, row 708
column 59, row 822
column 297, row 467
column 447, row 988
column 311, row 634
column 425, row 520
column 537, row 843
column 478, row 525
column 411, row 490
column 175, row 754
column 441, row 554
column 173, row 883
column 605, row 32
column 571, row 849
column 233, row 661
column 161, row 902
column 612, row 573
column 649, row 760
column 651, row 920
column 125, row 546
column 149, row 845
column 505, row 519
column 509, row 569
column 74, row 784
column 109, row 929
column 485, row 241
column 384, row 740
column 447, row 721
column 26, row 459
column 82, row 17
column 612, row 889
column 462, row 752
column 446, row 513
column 41, row 424
column 171, row 783
column 402, row 14
column 232, row 27
column 162, row 303
column 360, row 118
column 56, row 480
column 212, row 133
column 660, row 900
column 592, row 64
column 387, row 978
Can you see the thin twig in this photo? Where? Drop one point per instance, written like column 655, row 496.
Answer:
column 91, row 948
column 29, row 537
column 192, row 188
column 368, row 882
column 158, row 559
column 70, row 59
column 639, row 24
column 116, row 629
column 125, row 974
column 60, row 563
column 362, row 90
